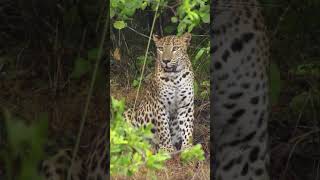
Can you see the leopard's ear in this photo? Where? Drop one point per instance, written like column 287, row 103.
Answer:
column 186, row 37
column 155, row 38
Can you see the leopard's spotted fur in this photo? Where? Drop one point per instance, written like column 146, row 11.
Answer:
column 239, row 90
column 168, row 103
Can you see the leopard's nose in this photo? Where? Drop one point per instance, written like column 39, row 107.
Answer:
column 166, row 61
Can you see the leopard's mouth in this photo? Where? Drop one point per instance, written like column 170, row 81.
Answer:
column 169, row 69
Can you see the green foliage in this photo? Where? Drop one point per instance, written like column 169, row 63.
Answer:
column 24, row 148
column 189, row 14
column 140, row 61
column 148, row 65
column 205, row 89
column 130, row 149
column 119, row 25
column 307, row 69
column 192, row 154
column 200, row 62
column 135, row 83
column 122, row 10
column 202, row 52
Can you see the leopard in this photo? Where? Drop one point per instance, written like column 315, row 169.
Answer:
column 239, row 85
column 168, row 102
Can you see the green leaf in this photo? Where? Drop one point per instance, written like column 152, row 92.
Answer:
column 135, row 83
column 157, row 161
column 204, row 94
column 144, row 5
column 199, row 54
column 114, row 3
column 119, row 25
column 190, row 28
column 181, row 27
column 193, row 153
column 81, row 67
column 174, row 19
column 205, row 13
column 206, row 18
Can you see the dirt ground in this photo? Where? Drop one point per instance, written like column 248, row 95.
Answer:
column 175, row 170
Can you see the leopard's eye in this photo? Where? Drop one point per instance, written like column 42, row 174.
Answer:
column 175, row 48
column 160, row 49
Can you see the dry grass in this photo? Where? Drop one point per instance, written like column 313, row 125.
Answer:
column 174, row 170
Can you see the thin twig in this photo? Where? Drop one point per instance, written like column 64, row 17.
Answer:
column 146, row 54
column 138, row 32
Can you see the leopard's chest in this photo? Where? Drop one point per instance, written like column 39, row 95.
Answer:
column 172, row 89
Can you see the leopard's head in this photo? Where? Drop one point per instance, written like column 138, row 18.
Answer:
column 172, row 52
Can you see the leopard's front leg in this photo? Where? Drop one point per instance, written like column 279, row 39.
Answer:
column 185, row 116
column 163, row 130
